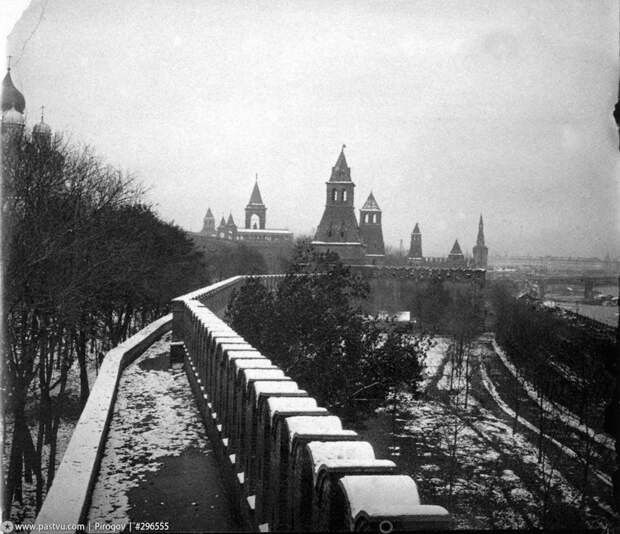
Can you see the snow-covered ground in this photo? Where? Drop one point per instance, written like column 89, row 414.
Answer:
column 152, row 419
column 557, row 410
column 434, row 357
column 472, row 459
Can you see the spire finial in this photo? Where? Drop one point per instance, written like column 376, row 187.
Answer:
column 9, row 63
column 256, row 177
column 343, row 146
column 42, row 112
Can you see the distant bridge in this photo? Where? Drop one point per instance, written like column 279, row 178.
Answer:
column 589, row 281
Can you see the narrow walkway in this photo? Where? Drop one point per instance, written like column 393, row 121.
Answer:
column 158, row 465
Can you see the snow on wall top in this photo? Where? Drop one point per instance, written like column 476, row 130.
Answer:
column 291, row 404
column 262, row 374
column 384, row 495
column 268, row 387
column 252, row 363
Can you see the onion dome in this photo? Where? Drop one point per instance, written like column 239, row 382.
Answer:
column 41, row 129
column 11, row 97
column 12, row 117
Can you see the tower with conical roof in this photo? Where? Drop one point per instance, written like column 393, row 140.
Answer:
column 480, row 250
column 221, row 229
column 338, row 230
column 371, row 231
column 13, row 106
column 415, row 249
column 255, row 211
column 456, row 257
column 208, row 224
column 231, row 228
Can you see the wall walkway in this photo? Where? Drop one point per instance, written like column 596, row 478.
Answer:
column 289, row 463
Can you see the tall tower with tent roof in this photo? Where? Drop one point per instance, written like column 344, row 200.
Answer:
column 208, row 224
column 415, row 249
column 338, row 230
column 480, row 250
column 371, row 231
column 255, row 211
column 456, row 257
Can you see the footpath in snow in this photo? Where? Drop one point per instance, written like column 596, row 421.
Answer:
column 561, row 412
column 158, row 465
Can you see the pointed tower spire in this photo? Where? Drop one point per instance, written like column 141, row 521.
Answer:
column 255, row 197
column 208, row 224
column 371, row 204
column 255, row 211
column 341, row 172
column 415, row 250
column 480, row 251
column 480, row 238
column 371, row 231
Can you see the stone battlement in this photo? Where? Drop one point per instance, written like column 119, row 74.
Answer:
column 290, row 464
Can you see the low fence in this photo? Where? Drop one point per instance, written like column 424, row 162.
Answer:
column 68, row 499
column 289, row 463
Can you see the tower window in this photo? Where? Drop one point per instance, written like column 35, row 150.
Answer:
column 334, row 195
column 344, row 195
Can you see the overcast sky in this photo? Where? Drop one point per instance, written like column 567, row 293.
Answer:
column 447, row 108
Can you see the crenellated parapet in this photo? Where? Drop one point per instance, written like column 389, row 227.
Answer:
column 289, row 463
column 422, row 274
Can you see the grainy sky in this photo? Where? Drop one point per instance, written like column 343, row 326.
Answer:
column 447, row 108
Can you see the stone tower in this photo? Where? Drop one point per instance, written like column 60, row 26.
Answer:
column 370, row 230
column 456, row 257
column 480, row 251
column 415, row 250
column 231, row 228
column 221, row 229
column 13, row 105
column 255, row 211
column 208, row 224
column 338, row 230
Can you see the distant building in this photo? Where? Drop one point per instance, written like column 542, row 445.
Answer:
column 338, row 230
column 359, row 244
column 275, row 245
column 481, row 252
column 371, row 232
column 456, row 257
column 208, row 224
column 415, row 250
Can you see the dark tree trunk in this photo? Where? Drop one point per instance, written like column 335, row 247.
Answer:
column 81, row 357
